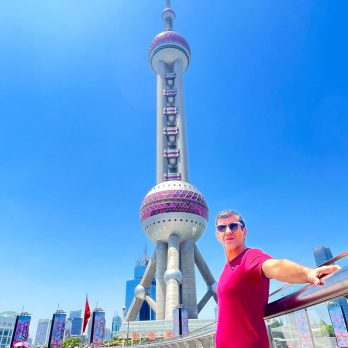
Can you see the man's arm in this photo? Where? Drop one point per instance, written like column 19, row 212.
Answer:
column 291, row 272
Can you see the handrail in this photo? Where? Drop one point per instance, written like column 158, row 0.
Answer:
column 328, row 262
column 336, row 258
column 336, row 284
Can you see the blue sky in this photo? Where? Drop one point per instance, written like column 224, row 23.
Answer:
column 266, row 105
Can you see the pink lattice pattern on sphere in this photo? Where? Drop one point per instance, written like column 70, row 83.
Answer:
column 174, row 194
column 157, row 208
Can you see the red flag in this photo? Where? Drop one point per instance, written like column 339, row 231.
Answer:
column 86, row 316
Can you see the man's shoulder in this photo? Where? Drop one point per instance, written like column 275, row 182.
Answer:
column 255, row 252
column 253, row 261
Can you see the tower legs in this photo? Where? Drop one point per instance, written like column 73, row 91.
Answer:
column 161, row 257
column 172, row 276
column 208, row 278
column 174, row 264
column 189, row 297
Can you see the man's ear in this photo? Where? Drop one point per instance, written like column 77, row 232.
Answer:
column 245, row 232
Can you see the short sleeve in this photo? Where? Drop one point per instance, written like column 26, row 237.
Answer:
column 254, row 259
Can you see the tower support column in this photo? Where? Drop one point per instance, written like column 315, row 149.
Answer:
column 172, row 276
column 161, row 261
column 189, row 297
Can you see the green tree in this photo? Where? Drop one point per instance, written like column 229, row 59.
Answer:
column 326, row 330
column 330, row 331
column 71, row 342
column 276, row 323
column 116, row 341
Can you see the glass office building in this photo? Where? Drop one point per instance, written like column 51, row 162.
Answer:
column 76, row 322
column 145, row 313
column 116, row 324
column 73, row 325
column 322, row 254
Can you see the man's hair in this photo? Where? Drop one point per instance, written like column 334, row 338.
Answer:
column 227, row 213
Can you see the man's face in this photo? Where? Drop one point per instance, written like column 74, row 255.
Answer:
column 233, row 238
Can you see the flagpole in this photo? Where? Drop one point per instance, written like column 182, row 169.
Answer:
column 84, row 326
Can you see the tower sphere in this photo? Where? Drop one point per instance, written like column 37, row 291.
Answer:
column 168, row 47
column 173, row 207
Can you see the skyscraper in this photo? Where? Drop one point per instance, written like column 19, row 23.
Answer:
column 322, row 254
column 42, row 332
column 76, row 322
column 145, row 312
column 107, row 334
column 75, row 314
column 174, row 213
column 67, row 329
column 7, row 323
column 116, row 324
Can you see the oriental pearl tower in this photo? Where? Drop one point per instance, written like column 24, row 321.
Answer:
column 174, row 213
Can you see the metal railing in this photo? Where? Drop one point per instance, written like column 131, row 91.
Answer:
column 335, row 285
column 328, row 262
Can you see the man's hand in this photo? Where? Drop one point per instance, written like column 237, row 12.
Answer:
column 315, row 276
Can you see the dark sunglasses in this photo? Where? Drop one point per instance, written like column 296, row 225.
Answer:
column 233, row 227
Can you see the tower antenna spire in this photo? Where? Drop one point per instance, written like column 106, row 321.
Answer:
column 168, row 16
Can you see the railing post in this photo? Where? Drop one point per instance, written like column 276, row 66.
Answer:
column 205, row 342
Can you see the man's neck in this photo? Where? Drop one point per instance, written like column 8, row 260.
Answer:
column 232, row 254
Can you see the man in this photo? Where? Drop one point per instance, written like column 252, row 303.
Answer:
column 243, row 286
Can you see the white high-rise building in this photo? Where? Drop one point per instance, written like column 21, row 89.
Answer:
column 42, row 332
column 7, row 323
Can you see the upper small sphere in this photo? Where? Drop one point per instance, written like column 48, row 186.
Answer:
column 174, row 207
column 168, row 47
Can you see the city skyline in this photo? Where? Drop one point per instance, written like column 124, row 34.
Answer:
column 266, row 100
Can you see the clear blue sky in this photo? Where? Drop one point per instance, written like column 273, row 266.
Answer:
column 266, row 103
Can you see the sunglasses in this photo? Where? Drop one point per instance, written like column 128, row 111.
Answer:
column 232, row 226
